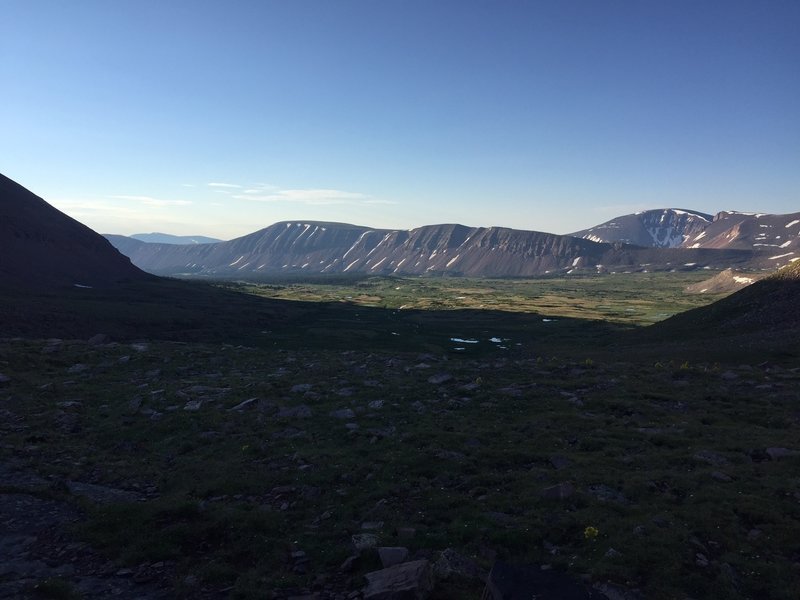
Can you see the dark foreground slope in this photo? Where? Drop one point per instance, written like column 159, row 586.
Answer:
column 42, row 248
column 762, row 318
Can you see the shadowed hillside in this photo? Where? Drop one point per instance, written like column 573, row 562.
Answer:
column 43, row 248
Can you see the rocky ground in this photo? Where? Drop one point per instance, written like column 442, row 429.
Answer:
column 151, row 470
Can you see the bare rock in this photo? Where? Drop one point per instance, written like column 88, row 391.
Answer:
column 392, row 555
column 411, row 580
column 295, row 412
column 343, row 413
column 778, row 453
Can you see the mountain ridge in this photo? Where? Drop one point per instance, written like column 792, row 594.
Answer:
column 324, row 247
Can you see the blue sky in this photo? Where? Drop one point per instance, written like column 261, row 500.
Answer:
column 220, row 118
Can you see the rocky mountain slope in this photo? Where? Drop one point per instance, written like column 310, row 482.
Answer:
column 316, row 247
column 724, row 282
column 42, row 248
column 662, row 228
column 777, row 237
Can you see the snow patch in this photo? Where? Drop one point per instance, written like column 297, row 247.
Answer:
column 236, row 261
column 795, row 222
column 781, row 256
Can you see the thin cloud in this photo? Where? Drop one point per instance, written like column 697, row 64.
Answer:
column 150, row 201
column 217, row 184
column 312, row 196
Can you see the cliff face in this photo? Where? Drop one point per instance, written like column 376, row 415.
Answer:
column 42, row 248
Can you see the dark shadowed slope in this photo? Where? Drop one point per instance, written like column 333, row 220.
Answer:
column 42, row 248
column 763, row 317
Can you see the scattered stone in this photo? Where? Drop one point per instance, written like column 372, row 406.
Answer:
column 611, row 553
column 452, row 563
column 343, row 413
column 392, row 555
column 559, row 491
column 69, row 404
column 712, row 458
column 370, row 525
column 376, row 404
column 412, row 580
column 193, row 405
column 4, row 380
column 701, row 560
column 440, row 378
column 249, row 403
column 78, row 368
column 98, row 340
column 364, row 541
column 778, row 453
column 295, row 412
column 720, row 476
column 729, row 376
column 301, row 388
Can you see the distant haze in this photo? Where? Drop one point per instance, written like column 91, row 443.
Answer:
column 217, row 119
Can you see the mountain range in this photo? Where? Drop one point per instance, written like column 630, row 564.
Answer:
column 666, row 239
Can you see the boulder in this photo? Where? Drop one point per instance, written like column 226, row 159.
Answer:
column 392, row 555
column 407, row 581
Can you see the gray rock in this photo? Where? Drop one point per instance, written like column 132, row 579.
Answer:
column 98, row 340
column 364, row 541
column 343, row 413
column 367, row 525
column 193, row 405
column 301, row 388
column 411, row 580
column 295, row 412
column 712, row 458
column 452, row 563
column 4, row 379
column 778, row 453
column 720, row 476
column 249, row 403
column 440, row 378
column 376, row 404
column 559, row 462
column 392, row 555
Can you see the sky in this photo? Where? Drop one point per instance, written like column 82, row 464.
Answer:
column 194, row 117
